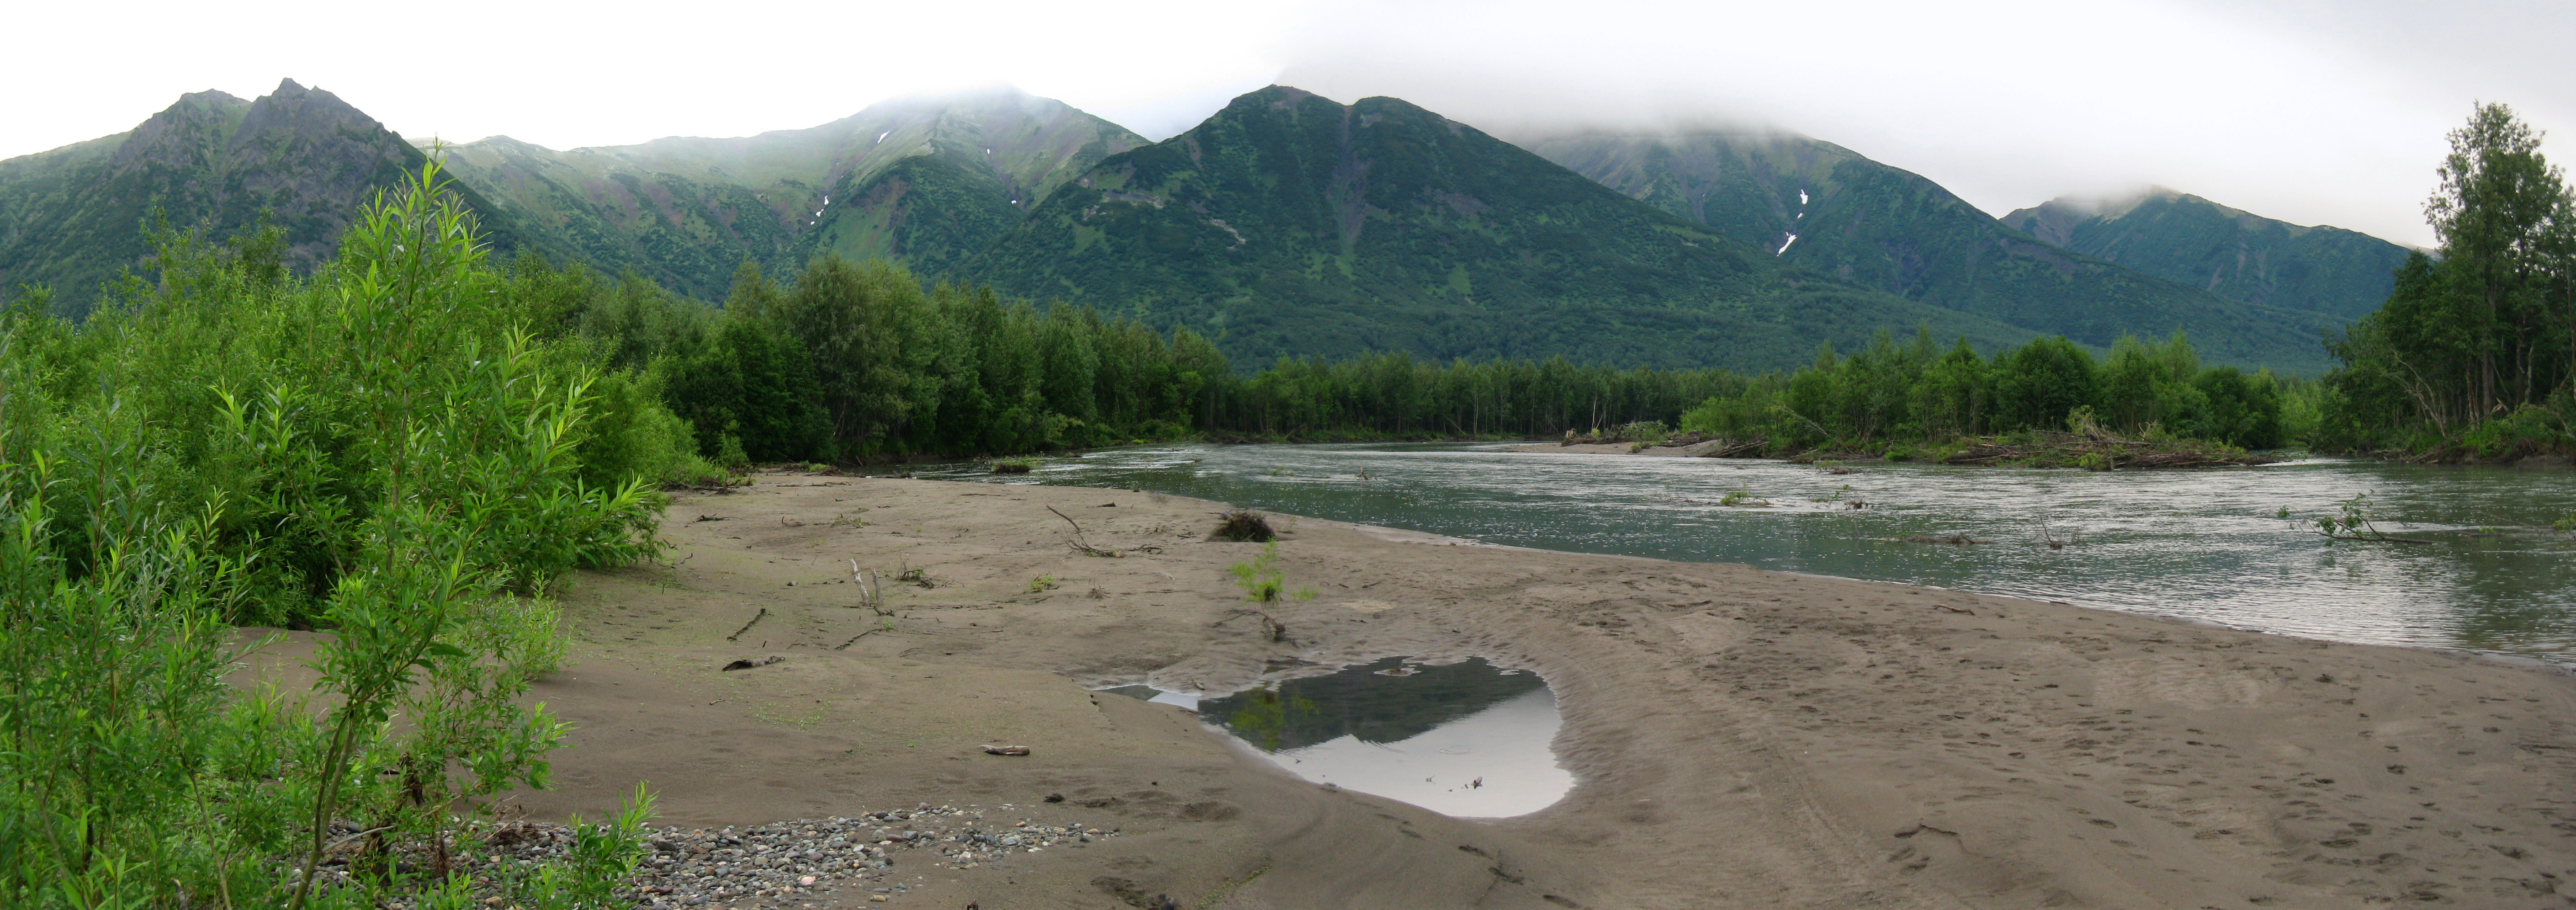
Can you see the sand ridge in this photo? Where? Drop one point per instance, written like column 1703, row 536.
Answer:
column 1740, row 738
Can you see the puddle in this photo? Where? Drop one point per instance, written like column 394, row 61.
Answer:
column 1464, row 739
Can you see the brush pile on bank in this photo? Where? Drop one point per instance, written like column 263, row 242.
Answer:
column 2068, row 450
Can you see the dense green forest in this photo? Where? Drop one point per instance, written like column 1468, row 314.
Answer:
column 2474, row 355
column 1886, row 398
column 852, row 362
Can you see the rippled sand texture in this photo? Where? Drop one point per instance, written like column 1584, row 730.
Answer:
column 1739, row 738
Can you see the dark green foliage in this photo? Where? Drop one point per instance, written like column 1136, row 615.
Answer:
column 2232, row 254
column 857, row 361
column 752, row 385
column 1908, row 400
column 1396, row 396
column 2040, row 383
column 2473, row 355
column 1859, row 221
column 2239, row 409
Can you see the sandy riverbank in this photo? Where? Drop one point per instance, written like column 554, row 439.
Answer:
column 1742, row 738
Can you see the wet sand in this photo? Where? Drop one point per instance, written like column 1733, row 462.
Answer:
column 1740, row 738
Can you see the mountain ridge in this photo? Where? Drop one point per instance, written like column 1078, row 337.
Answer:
column 1827, row 209
column 2225, row 251
column 1287, row 224
column 926, row 181
column 1291, row 224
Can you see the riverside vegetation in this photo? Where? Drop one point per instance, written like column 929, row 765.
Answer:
column 2474, row 354
column 384, row 450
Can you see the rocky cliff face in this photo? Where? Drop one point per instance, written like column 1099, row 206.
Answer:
column 310, row 159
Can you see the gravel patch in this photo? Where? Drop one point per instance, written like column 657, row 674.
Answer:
column 788, row 863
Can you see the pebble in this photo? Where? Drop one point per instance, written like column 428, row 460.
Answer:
column 787, row 863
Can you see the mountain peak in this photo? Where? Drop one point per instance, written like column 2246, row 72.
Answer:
column 299, row 158
column 185, row 134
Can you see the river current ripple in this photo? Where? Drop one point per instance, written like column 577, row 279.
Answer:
column 2206, row 545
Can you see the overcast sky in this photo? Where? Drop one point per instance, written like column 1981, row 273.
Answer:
column 2312, row 112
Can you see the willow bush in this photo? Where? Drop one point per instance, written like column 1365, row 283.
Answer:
column 385, row 452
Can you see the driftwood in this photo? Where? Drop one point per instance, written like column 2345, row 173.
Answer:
column 1271, row 629
column 1081, row 544
column 871, row 590
column 746, row 627
column 1751, row 448
column 854, row 639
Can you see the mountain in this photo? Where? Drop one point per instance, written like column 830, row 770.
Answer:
column 1825, row 210
column 75, row 216
column 2232, row 254
column 1285, row 225
column 1288, row 225
column 924, row 181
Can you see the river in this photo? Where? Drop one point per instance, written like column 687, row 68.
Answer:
column 2207, row 545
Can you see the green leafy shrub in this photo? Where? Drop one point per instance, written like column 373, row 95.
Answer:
column 387, row 452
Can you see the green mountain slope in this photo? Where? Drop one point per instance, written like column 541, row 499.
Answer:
column 1288, row 224
column 73, row 217
column 2232, row 254
column 927, row 182
column 1823, row 209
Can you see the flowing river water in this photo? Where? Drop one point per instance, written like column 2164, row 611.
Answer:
column 2207, row 545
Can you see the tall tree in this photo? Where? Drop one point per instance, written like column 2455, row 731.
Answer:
column 2503, row 214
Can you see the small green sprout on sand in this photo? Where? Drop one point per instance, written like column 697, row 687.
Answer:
column 1042, row 583
column 1263, row 581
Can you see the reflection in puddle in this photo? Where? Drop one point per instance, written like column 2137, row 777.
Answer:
column 1462, row 739
column 1184, row 700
